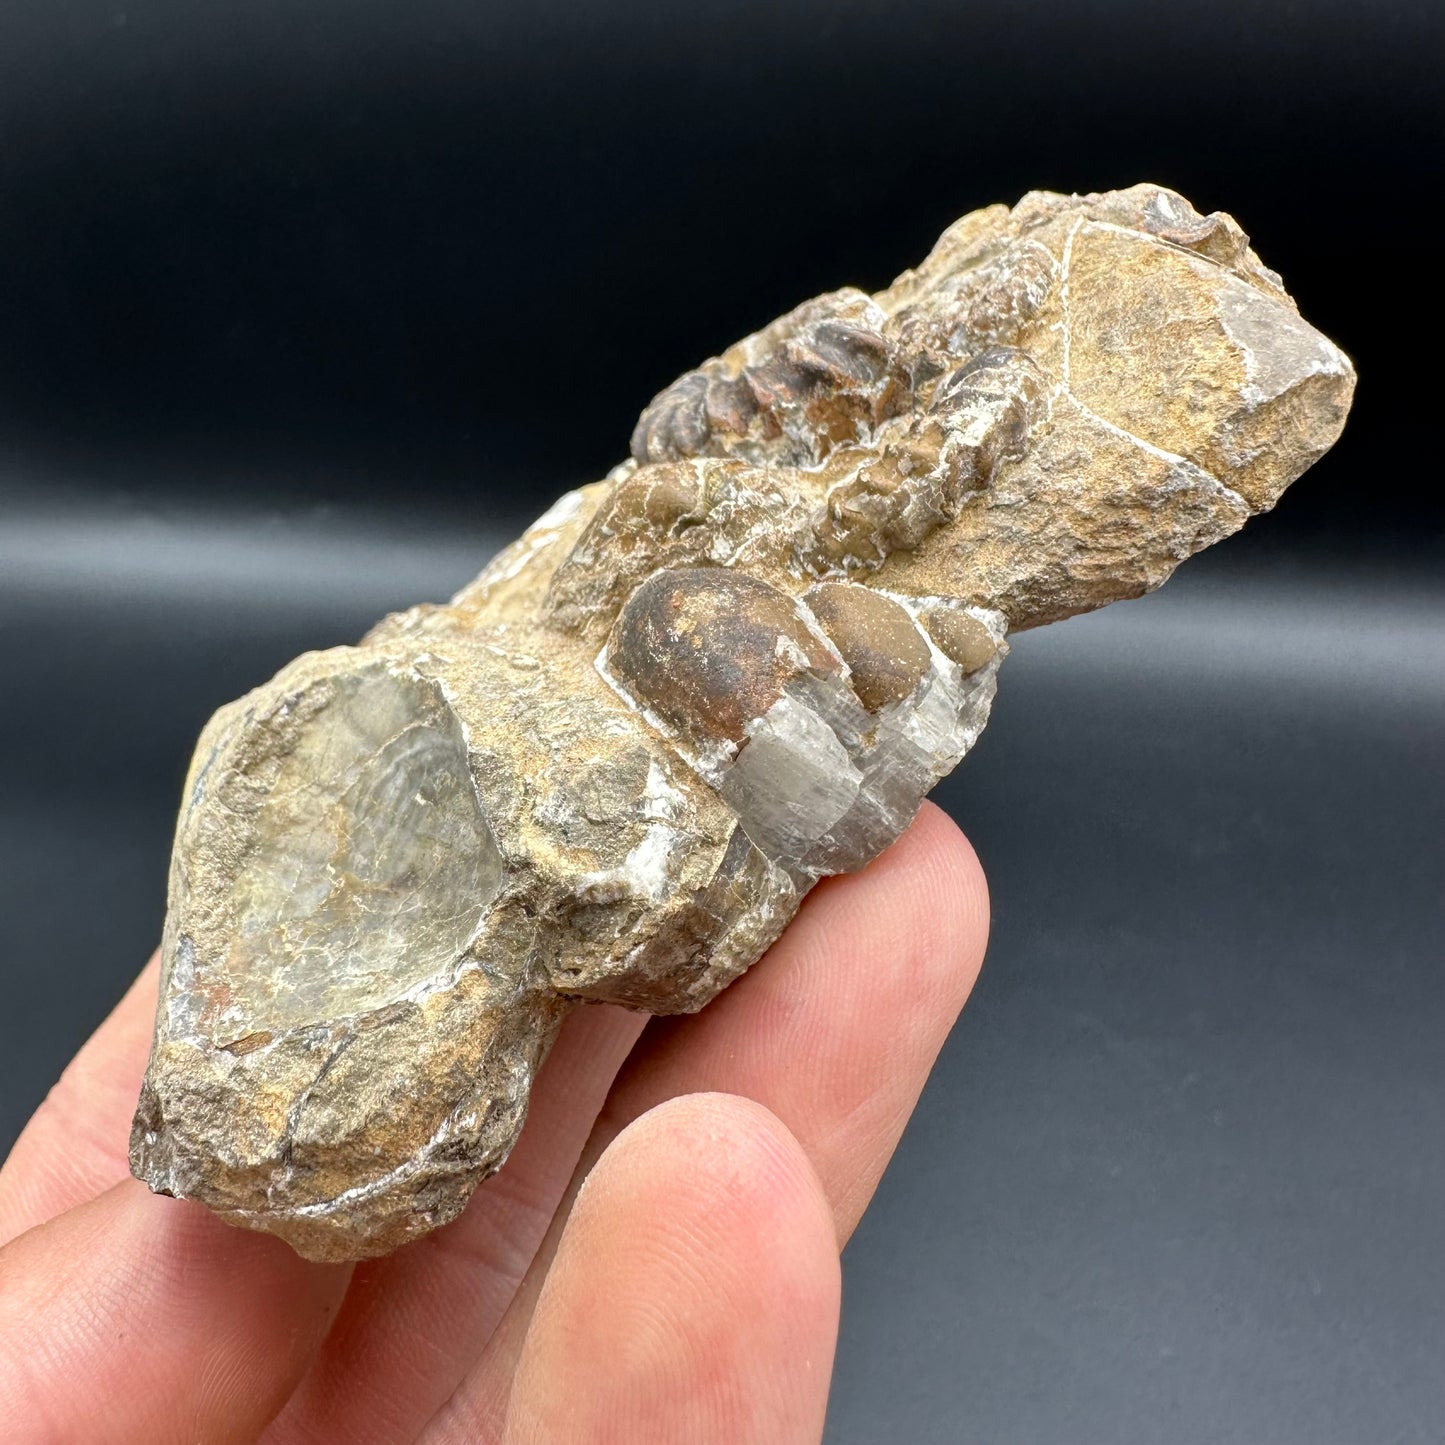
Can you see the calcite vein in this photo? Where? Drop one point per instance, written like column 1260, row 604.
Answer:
column 611, row 767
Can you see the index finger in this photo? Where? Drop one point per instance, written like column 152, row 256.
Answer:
column 838, row 1032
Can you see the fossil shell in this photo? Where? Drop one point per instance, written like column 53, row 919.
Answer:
column 611, row 767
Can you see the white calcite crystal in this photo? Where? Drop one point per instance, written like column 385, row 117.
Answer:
column 611, row 767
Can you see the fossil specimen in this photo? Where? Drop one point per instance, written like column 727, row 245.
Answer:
column 612, row 766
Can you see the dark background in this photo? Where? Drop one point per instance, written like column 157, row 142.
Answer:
column 305, row 308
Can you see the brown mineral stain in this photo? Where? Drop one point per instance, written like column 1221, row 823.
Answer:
column 885, row 653
column 961, row 637
column 710, row 649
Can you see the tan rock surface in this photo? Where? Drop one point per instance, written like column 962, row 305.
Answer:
column 611, row 767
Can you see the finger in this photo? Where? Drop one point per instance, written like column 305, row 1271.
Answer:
column 695, row 1291
column 76, row 1143
column 135, row 1319
column 835, row 1032
column 414, row 1322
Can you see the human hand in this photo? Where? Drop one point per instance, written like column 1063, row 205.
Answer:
column 658, row 1261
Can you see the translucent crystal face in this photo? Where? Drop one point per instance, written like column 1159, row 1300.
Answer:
column 368, row 862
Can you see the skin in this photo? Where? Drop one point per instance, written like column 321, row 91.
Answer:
column 658, row 1261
